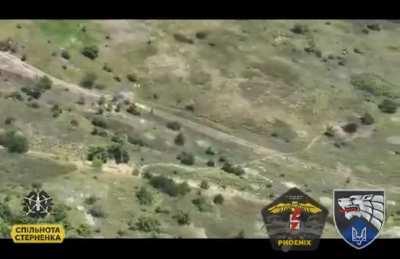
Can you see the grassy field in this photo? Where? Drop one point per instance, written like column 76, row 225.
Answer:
column 271, row 90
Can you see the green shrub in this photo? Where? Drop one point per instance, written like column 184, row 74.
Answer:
column 186, row 158
column 99, row 122
column 180, row 139
column 15, row 142
column 182, row 218
column 202, row 204
column 367, row 119
column 218, row 199
column 65, row 54
column 236, row 170
column 32, row 92
column 144, row 196
column 210, row 151
column 97, row 212
column 118, row 153
column 44, row 83
column 97, row 152
column 131, row 77
column 174, row 125
column 90, row 52
column 132, row 109
column 204, row 185
column 88, row 80
column 90, row 200
column 299, row 29
column 83, row 230
column 9, row 120
column 136, row 141
column 168, row 186
column 388, row 106
column 107, row 68
column 210, row 163
column 59, row 213
column 56, row 110
column 182, row 38
column 373, row 84
column 350, row 127
column 99, row 132
column 147, row 224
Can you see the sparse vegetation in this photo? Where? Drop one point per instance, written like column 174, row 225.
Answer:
column 350, row 127
column 97, row 212
column 373, row 84
column 168, row 186
column 367, row 119
column 131, row 77
column 88, row 80
column 204, row 185
column 218, row 199
column 300, row 29
column 210, row 151
column 179, row 139
column 182, row 218
column 99, row 122
column 148, row 224
column 182, row 38
column 186, row 158
column 236, row 170
column 107, row 68
column 65, row 54
column 144, row 196
column 90, row 52
column 174, row 125
column 388, row 106
column 132, row 109
column 14, row 141
column 90, row 200
column 202, row 204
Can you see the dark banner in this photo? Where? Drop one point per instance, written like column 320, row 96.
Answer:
column 185, row 248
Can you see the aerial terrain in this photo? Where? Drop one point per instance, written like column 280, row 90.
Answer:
column 169, row 128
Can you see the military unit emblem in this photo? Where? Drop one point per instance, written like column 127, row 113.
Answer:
column 294, row 221
column 359, row 215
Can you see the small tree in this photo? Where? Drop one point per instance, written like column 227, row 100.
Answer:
column 202, row 204
column 97, row 212
column 182, row 218
column 15, row 142
column 97, row 152
column 44, row 83
column 204, row 185
column 186, row 158
column 99, row 122
column 367, row 119
column 90, row 200
column 90, row 52
column 174, row 125
column 388, row 106
column 236, row 170
column 180, row 139
column 147, row 224
column 144, row 196
column 131, row 77
column 132, row 109
column 88, row 80
column 218, row 199
column 119, row 153
column 65, row 54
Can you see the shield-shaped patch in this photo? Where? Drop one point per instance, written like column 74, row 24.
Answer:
column 359, row 215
